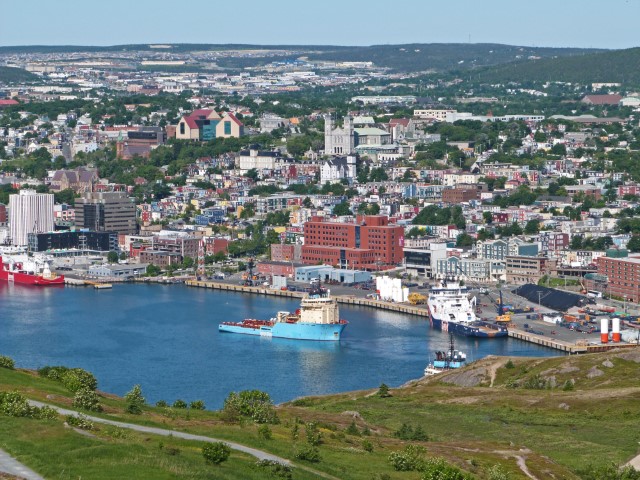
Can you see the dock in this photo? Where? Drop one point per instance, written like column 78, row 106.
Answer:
column 419, row 311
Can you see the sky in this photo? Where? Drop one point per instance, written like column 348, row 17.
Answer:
column 541, row 23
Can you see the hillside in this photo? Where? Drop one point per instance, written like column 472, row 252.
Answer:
column 616, row 66
column 15, row 75
column 563, row 417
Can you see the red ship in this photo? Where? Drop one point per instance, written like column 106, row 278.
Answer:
column 28, row 272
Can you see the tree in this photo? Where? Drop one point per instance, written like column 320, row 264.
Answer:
column 634, row 244
column 112, row 257
column 342, row 209
column 532, row 227
column 188, row 262
column 215, row 453
column 135, row 400
column 67, row 196
column 464, row 240
column 307, row 203
column 252, row 174
column 487, row 217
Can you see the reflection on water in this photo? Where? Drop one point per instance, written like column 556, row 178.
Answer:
column 166, row 338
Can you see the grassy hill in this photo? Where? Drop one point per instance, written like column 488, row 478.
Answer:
column 540, row 418
column 616, row 66
column 16, row 75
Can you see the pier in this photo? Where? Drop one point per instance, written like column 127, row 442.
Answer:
column 577, row 347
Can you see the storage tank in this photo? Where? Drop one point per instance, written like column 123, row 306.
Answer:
column 604, row 330
column 615, row 330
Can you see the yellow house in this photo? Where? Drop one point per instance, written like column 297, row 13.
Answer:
column 198, row 125
column 229, row 126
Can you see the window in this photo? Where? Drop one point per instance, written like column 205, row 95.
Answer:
column 227, row 128
column 181, row 128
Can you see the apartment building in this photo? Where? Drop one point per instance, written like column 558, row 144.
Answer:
column 522, row 269
column 106, row 212
column 623, row 276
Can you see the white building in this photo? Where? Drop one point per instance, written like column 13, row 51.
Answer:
column 29, row 212
column 339, row 141
column 337, row 168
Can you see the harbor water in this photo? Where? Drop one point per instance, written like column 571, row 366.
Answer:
column 165, row 338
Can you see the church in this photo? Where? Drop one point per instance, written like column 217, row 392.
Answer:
column 339, row 141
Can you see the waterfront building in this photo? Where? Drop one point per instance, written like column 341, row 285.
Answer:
column 118, row 271
column 29, row 212
column 79, row 240
column 369, row 243
column 106, row 212
column 522, row 269
column 622, row 274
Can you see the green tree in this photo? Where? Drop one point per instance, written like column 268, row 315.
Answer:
column 342, row 209
column 252, row 174
column 487, row 217
column 67, row 196
column 634, row 243
column 188, row 262
column 112, row 257
column 532, row 227
column 464, row 240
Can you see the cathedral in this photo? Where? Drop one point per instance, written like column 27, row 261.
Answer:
column 339, row 141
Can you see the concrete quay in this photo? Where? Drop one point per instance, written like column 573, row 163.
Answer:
column 417, row 310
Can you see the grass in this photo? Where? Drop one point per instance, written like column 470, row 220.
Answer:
column 557, row 431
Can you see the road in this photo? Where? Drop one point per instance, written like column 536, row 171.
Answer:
column 10, row 465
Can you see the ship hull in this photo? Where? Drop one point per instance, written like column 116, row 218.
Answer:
column 479, row 331
column 330, row 332
column 26, row 279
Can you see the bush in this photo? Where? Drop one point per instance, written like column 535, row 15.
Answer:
column 409, row 459
column 77, row 378
column 162, row 404
column 254, row 404
column 87, row 400
column 80, row 421
column 216, row 453
column 610, row 471
column 265, row 432
column 438, row 469
column 179, row 404
column 367, row 446
column 7, row 362
column 13, row 404
column 135, row 400
column 509, row 365
column 275, row 469
column 496, row 472
column 197, row 405
column 536, row 382
column 308, row 453
column 352, row 429
column 568, row 386
column 52, row 373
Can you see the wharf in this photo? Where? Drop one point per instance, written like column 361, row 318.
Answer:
column 421, row 311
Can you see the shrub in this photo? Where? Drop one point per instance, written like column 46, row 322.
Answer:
column 314, row 436
column 275, row 469
column 52, row 373
column 197, row 405
column 76, row 378
column 80, row 421
column 135, row 400
column 295, row 431
column 509, row 365
column 568, row 386
column 162, row 404
column 216, row 453
column 87, row 400
column 536, row 382
column 308, row 453
column 254, row 404
column 265, row 432
column 352, row 429
column 409, row 459
column 367, row 446
column 438, row 469
column 179, row 404
column 496, row 472
column 13, row 404
column 7, row 362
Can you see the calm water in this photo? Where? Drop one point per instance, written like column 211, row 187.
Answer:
column 166, row 339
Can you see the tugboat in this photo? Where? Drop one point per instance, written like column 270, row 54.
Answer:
column 318, row 318
column 28, row 272
column 451, row 310
column 446, row 360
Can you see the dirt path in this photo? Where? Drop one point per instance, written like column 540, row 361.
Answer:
column 254, row 452
column 10, row 465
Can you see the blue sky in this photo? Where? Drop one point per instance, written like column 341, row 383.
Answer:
column 561, row 23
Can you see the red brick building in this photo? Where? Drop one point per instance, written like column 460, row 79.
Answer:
column 284, row 252
column 370, row 243
column 459, row 195
column 3, row 214
column 216, row 245
column 623, row 276
column 286, row 269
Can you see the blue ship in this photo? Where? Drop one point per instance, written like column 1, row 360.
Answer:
column 318, row 318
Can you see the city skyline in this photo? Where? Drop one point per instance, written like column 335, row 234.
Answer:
column 571, row 23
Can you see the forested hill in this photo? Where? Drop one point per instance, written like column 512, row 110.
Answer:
column 614, row 66
column 442, row 56
column 13, row 75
